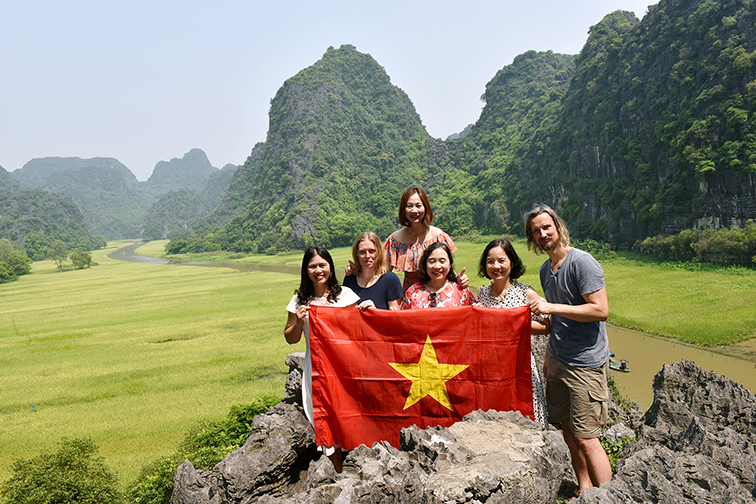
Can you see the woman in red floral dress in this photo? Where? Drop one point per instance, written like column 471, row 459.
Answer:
column 438, row 285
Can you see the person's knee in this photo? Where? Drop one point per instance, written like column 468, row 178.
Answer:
column 588, row 445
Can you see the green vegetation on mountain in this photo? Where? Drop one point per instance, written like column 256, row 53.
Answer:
column 656, row 133
column 111, row 206
column 176, row 213
column 648, row 132
column 218, row 184
column 523, row 101
column 34, row 174
column 113, row 202
column 342, row 143
column 7, row 182
column 36, row 219
column 236, row 198
column 192, row 171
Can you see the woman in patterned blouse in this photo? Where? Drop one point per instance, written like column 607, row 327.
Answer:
column 405, row 246
column 503, row 266
column 438, row 285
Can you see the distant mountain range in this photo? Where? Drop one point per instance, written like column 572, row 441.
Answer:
column 115, row 205
column 649, row 130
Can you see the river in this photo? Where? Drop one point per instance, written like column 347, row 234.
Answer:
column 128, row 254
column 646, row 354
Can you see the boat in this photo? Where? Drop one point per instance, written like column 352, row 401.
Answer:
column 619, row 366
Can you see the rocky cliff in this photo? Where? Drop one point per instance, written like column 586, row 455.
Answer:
column 655, row 132
column 695, row 444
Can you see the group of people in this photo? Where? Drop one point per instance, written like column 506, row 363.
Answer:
column 572, row 313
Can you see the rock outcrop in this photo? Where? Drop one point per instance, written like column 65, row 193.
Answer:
column 487, row 457
column 694, row 445
column 697, row 444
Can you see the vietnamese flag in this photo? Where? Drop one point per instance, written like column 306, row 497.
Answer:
column 377, row 371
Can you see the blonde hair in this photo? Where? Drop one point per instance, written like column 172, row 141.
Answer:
column 380, row 261
column 561, row 227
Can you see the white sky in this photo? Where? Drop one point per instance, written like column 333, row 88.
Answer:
column 145, row 81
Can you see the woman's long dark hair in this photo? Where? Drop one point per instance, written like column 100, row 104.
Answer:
column 517, row 269
column 422, row 268
column 306, row 291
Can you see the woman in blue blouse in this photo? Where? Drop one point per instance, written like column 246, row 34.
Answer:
column 371, row 281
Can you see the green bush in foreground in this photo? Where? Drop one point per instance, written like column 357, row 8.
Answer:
column 614, row 450
column 70, row 475
column 210, row 444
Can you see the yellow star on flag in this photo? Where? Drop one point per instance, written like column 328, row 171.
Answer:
column 428, row 377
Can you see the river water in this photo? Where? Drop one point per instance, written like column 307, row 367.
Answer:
column 128, row 254
column 646, row 354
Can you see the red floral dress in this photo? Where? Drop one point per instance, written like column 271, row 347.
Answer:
column 406, row 256
column 419, row 296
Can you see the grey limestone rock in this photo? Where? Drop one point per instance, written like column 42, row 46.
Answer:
column 487, row 457
column 293, row 389
column 696, row 444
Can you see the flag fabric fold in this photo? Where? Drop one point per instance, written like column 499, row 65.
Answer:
column 377, row 371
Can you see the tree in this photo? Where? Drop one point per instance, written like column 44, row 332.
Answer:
column 13, row 261
column 58, row 253
column 81, row 258
column 71, row 475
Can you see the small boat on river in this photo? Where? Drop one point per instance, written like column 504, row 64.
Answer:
column 619, row 366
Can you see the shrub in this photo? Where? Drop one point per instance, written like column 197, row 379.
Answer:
column 613, row 450
column 70, row 475
column 207, row 446
column 600, row 251
column 81, row 259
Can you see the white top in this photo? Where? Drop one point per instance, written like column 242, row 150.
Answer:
column 347, row 297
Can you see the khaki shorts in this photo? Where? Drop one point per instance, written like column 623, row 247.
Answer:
column 578, row 394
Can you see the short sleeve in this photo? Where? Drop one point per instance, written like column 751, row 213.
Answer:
column 293, row 304
column 446, row 239
column 347, row 297
column 589, row 273
column 467, row 298
column 394, row 289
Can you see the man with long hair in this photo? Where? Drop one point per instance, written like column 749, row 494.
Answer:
column 576, row 364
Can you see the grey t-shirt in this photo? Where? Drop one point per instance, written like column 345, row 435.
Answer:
column 581, row 344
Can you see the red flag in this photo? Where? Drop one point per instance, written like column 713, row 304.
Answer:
column 377, row 371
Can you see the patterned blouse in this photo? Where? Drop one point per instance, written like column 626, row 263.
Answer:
column 418, row 296
column 516, row 295
column 406, row 256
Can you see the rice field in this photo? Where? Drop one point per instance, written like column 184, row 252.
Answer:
column 134, row 355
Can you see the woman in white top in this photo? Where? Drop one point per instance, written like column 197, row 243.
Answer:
column 318, row 286
column 503, row 266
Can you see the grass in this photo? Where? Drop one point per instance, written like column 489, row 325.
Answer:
column 135, row 355
column 705, row 306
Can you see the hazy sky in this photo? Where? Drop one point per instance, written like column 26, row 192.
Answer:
column 145, row 81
